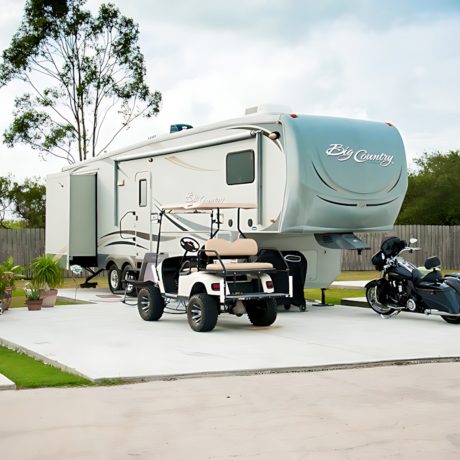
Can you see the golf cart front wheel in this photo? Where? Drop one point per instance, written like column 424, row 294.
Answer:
column 262, row 313
column 202, row 312
column 150, row 303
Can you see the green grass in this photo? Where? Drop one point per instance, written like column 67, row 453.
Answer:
column 27, row 372
column 334, row 296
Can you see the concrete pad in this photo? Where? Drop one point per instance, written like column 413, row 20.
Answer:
column 358, row 284
column 355, row 302
column 109, row 340
column 6, row 383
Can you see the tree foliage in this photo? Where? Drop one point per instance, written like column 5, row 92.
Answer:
column 82, row 71
column 433, row 196
column 23, row 200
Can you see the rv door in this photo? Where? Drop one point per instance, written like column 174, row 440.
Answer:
column 143, row 207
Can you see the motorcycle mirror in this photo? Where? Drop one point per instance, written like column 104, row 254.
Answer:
column 413, row 240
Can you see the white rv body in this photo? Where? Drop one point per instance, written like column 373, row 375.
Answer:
column 315, row 180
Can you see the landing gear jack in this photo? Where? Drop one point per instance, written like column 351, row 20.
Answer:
column 87, row 283
column 323, row 300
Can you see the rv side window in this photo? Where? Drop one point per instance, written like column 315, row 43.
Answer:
column 143, row 192
column 240, row 167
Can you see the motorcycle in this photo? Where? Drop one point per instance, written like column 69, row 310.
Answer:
column 405, row 287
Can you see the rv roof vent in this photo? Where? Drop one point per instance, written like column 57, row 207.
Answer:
column 268, row 108
column 179, row 127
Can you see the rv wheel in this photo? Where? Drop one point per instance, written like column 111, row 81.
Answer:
column 114, row 278
column 202, row 312
column 130, row 289
column 262, row 313
column 150, row 303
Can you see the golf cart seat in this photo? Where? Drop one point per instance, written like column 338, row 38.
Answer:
column 241, row 248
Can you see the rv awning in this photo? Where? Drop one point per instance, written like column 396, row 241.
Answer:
column 340, row 241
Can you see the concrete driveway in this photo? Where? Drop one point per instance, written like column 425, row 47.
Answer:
column 408, row 412
column 109, row 340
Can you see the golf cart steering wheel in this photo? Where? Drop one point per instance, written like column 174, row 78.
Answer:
column 189, row 244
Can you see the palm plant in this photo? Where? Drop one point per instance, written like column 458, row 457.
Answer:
column 47, row 272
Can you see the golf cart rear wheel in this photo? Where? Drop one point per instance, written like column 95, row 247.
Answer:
column 114, row 278
column 202, row 312
column 150, row 303
column 262, row 313
column 451, row 319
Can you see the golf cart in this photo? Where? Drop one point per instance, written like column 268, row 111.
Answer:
column 219, row 276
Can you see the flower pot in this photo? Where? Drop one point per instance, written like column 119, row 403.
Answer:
column 7, row 297
column 49, row 298
column 34, row 305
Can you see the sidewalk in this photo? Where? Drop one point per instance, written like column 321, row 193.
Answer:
column 6, row 383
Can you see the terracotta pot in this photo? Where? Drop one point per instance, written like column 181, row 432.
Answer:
column 7, row 297
column 49, row 298
column 34, row 305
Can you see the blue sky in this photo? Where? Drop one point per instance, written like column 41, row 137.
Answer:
column 379, row 60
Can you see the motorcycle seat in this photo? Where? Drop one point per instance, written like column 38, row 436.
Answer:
column 433, row 276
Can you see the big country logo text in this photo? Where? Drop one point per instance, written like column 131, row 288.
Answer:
column 360, row 156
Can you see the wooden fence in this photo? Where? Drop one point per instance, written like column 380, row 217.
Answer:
column 23, row 244
column 443, row 241
column 434, row 240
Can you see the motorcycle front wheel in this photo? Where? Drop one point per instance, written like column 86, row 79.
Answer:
column 372, row 300
column 451, row 319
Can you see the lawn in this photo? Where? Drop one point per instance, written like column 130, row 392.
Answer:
column 334, row 296
column 27, row 372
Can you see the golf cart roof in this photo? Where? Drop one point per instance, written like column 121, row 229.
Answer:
column 204, row 207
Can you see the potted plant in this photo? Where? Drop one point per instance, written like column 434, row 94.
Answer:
column 9, row 273
column 33, row 299
column 48, row 273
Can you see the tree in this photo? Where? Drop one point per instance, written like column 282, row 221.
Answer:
column 82, row 70
column 433, row 196
column 25, row 200
column 5, row 203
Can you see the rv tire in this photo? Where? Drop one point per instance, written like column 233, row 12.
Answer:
column 262, row 313
column 150, row 303
column 114, row 278
column 130, row 289
column 202, row 312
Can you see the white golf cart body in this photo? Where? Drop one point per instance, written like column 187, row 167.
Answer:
column 220, row 272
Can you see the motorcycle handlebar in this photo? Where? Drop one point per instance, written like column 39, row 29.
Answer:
column 409, row 249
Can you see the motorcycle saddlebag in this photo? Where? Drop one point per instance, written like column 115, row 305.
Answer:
column 453, row 280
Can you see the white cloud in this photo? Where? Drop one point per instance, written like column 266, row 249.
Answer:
column 398, row 63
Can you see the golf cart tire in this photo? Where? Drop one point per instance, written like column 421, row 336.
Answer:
column 150, row 303
column 202, row 312
column 262, row 313
column 114, row 279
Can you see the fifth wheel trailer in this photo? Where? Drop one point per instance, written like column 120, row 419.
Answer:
column 315, row 181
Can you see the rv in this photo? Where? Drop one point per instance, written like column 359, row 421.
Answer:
column 315, row 181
